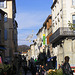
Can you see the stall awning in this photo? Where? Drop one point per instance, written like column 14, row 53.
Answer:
column 2, row 48
column 51, row 58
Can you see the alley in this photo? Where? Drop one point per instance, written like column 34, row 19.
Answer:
column 37, row 37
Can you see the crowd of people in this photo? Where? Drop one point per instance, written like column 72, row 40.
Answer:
column 33, row 67
column 14, row 69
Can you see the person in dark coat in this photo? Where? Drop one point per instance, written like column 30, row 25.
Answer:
column 43, row 70
column 40, row 70
column 46, row 67
column 25, row 69
column 66, row 67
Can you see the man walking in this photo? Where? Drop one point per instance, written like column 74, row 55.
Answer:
column 66, row 67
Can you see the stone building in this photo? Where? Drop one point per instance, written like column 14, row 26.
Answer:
column 63, row 38
column 2, row 45
column 9, row 6
column 48, row 33
column 32, row 50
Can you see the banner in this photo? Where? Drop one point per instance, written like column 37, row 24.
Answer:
column 43, row 39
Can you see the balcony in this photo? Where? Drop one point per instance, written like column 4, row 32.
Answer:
column 61, row 33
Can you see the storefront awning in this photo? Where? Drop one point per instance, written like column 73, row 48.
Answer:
column 2, row 48
column 50, row 58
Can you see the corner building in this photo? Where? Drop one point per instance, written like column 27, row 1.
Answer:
column 63, row 38
column 9, row 6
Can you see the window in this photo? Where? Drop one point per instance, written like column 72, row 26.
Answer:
column 5, row 18
column 0, row 16
column 5, row 34
column 73, row 2
column 2, row 3
column 73, row 20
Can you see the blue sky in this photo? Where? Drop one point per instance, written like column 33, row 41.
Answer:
column 30, row 16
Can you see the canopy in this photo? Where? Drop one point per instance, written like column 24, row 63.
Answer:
column 51, row 58
column 2, row 48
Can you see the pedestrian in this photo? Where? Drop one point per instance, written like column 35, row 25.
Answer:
column 43, row 70
column 33, row 69
column 25, row 69
column 66, row 67
column 59, row 66
column 40, row 70
column 13, row 68
column 46, row 67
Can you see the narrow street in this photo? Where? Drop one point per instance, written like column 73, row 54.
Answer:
column 37, row 37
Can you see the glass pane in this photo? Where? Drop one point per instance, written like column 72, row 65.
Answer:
column 5, row 18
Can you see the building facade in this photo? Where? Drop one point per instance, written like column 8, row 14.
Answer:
column 32, row 50
column 48, row 33
column 63, row 38
column 2, row 45
column 9, row 6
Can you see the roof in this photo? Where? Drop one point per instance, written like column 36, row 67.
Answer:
column 39, row 30
column 2, row 12
column 53, row 4
column 49, row 17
